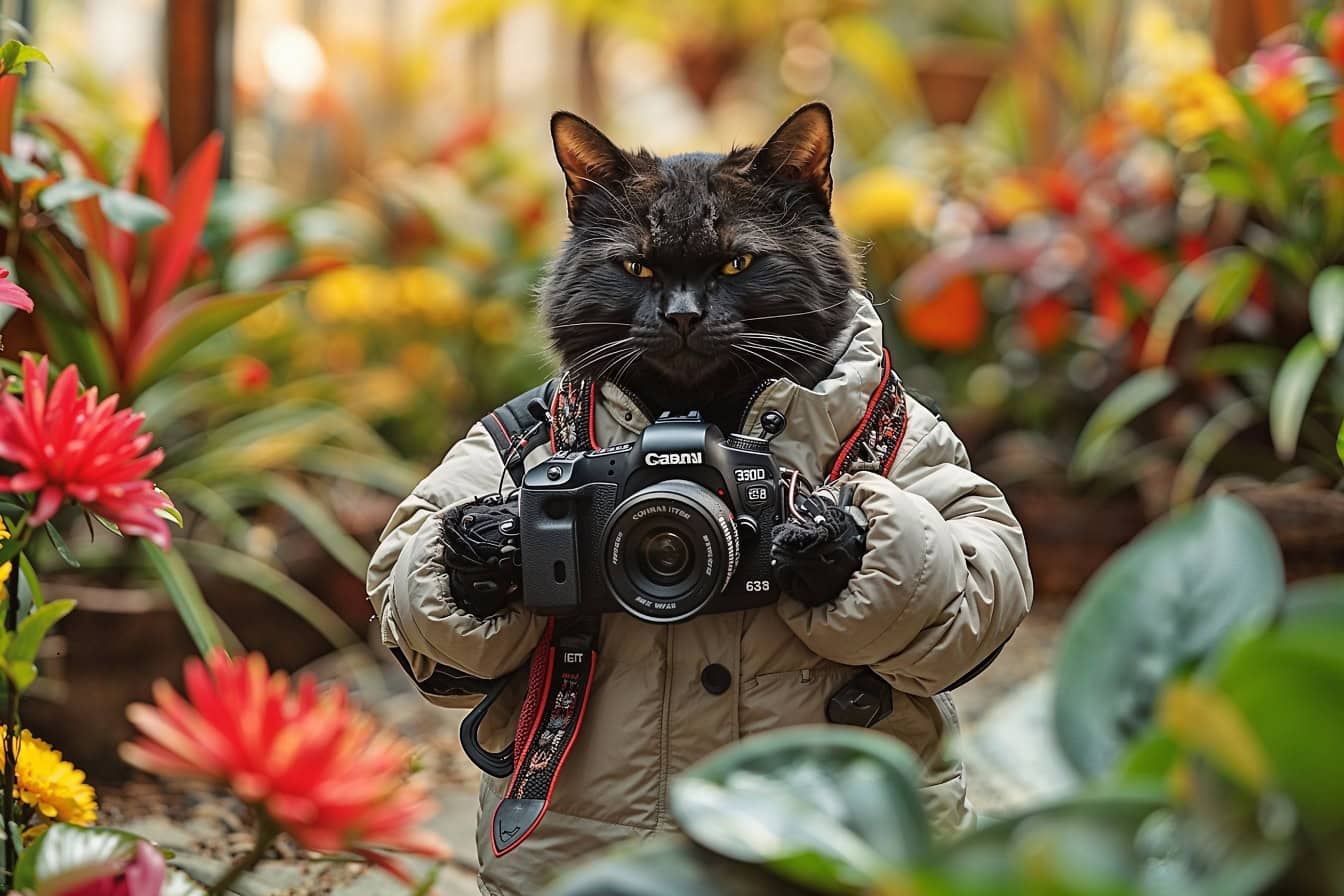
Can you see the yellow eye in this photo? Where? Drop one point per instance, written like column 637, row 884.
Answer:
column 635, row 269
column 736, row 266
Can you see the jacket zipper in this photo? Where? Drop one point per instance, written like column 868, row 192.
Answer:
column 751, row 400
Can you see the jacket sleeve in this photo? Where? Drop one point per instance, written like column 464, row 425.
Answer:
column 408, row 584
column 944, row 579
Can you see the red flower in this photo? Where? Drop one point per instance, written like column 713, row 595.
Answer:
column 1332, row 39
column 308, row 762
column 248, row 374
column 143, row 875
column 13, row 294
column 68, row 444
column 1047, row 322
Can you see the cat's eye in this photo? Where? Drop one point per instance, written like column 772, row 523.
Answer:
column 637, row 269
column 737, row 265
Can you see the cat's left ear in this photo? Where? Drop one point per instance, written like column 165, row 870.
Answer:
column 589, row 160
column 800, row 150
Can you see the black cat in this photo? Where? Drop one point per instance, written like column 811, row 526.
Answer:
column 691, row 279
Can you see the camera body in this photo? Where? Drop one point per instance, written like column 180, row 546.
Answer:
column 674, row 524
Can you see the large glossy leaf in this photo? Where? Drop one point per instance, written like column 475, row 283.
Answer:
column 1327, row 308
column 1102, row 845
column 668, row 866
column 173, row 332
column 832, row 808
column 1130, row 398
column 1230, row 287
column 1158, row 606
column 66, row 856
column 67, row 190
column 1287, row 685
column 1292, row 392
column 186, row 595
column 131, row 211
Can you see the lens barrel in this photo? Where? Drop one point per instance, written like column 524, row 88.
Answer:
column 669, row 549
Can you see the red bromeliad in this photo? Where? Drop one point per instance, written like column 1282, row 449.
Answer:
column 308, row 762
column 69, row 445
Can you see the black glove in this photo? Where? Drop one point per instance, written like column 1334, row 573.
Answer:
column 480, row 551
column 815, row 551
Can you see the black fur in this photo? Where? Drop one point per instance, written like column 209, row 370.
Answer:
column 684, row 217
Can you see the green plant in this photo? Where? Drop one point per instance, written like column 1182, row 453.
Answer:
column 1203, row 723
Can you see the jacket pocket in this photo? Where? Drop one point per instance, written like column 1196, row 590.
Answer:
column 793, row 697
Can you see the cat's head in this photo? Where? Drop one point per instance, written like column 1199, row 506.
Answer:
column 700, row 271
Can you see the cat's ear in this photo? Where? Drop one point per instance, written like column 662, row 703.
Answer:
column 800, row 150
column 590, row 161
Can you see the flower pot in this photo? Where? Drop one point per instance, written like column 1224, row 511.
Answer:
column 951, row 78
column 1308, row 523
column 101, row 657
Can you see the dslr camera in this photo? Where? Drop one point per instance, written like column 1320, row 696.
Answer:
column 671, row 525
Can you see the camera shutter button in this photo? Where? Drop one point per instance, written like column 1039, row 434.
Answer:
column 716, row 678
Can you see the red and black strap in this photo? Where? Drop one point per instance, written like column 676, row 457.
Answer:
column 560, row 680
column 874, row 443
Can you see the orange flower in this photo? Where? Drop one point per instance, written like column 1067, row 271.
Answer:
column 68, row 444
column 952, row 319
column 1273, row 82
column 1046, row 322
column 309, row 763
column 1337, row 127
column 1332, row 39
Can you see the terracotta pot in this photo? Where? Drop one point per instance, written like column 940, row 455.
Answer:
column 952, row 77
column 1308, row 522
column 101, row 657
column 1070, row 536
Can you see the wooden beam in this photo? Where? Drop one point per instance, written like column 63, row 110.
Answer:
column 198, row 74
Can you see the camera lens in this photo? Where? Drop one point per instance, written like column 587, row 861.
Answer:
column 668, row 549
column 664, row 555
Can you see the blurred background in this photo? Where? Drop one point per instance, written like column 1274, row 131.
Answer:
column 1103, row 234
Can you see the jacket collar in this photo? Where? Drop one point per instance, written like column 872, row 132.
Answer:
column 818, row 419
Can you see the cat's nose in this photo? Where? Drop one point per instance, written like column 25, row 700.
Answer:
column 683, row 320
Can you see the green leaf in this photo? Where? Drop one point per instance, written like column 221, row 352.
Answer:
column 832, row 808
column 61, row 547
column 1230, row 287
column 131, row 211
column 317, row 519
column 65, row 857
column 1286, row 683
column 109, row 291
column 20, row 170
column 1212, row 437
column 1327, row 308
column 67, row 190
column 1158, row 606
column 1230, row 181
column 269, row 580
column 21, row 651
column 667, row 866
column 1131, row 398
column 192, row 326
column 15, row 56
column 30, row 576
column 1173, row 307
column 181, row 585
column 1292, row 391
column 1339, row 443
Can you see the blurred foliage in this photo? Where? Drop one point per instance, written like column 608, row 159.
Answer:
column 1204, row 736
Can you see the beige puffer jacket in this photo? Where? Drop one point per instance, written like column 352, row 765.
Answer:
column 944, row 582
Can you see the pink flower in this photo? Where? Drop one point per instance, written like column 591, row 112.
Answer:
column 13, row 294
column 143, row 875
column 67, row 444
column 309, row 762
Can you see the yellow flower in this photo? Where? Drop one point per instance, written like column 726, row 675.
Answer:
column 267, row 322
column 431, row 294
column 50, row 784
column 354, row 293
column 880, row 198
column 1012, row 196
column 497, row 321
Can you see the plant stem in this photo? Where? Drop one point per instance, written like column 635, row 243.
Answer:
column 11, row 744
column 267, row 831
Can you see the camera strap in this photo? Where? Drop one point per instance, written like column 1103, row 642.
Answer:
column 560, row 679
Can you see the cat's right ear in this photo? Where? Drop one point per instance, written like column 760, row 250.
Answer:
column 590, row 161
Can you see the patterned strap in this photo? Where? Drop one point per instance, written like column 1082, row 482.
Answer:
column 874, row 444
column 560, row 680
